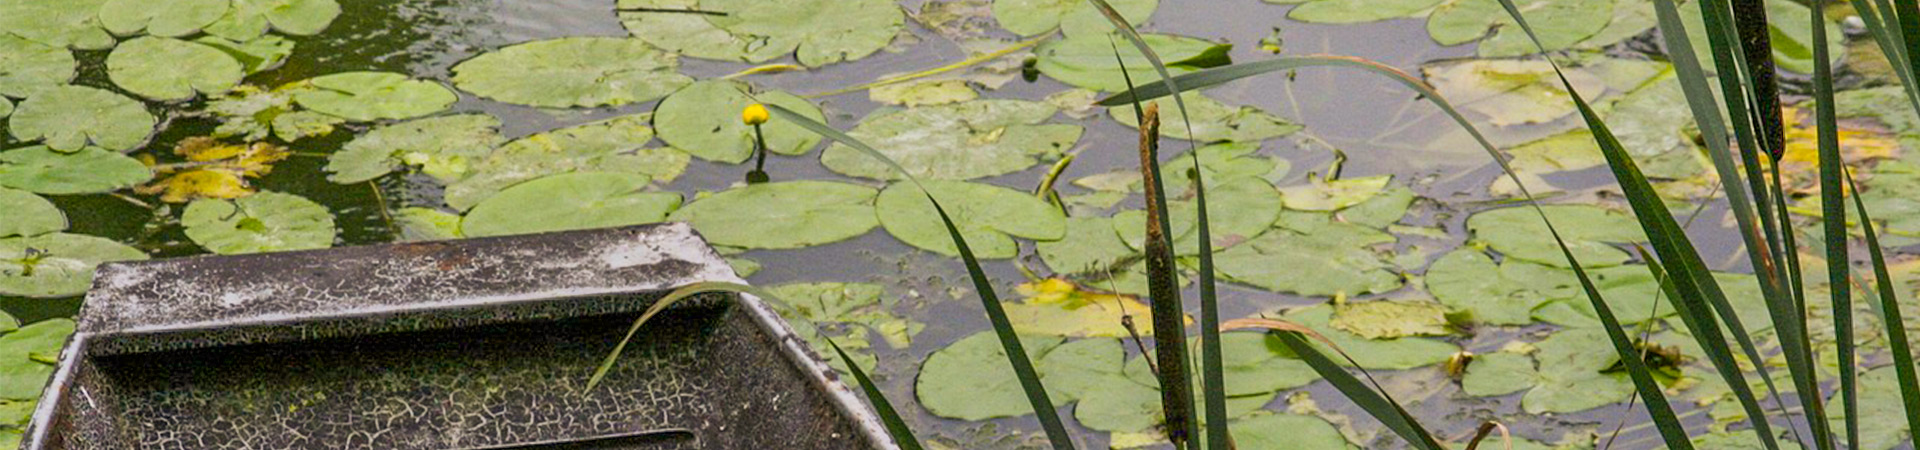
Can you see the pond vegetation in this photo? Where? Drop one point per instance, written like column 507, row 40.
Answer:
column 1563, row 228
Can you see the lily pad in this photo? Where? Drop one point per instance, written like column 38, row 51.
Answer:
column 370, row 96
column 573, row 72
column 612, row 145
column 570, row 201
column 1358, row 11
column 1387, row 319
column 817, row 32
column 445, row 148
column 30, row 66
column 1517, row 232
column 793, row 214
column 1570, row 375
column 1559, row 23
column 1088, row 61
column 22, row 377
column 1324, row 195
column 1792, row 39
column 960, row 141
column 68, row 118
column 264, row 222
column 1090, row 245
column 1343, row 256
column 64, row 23
column 1056, row 307
column 1378, row 354
column 972, row 380
column 90, row 170
column 56, row 264
column 165, row 19
column 1503, row 294
column 1124, row 407
column 1511, row 92
column 1212, row 121
column 252, row 18
column 1381, row 211
column 28, row 214
column 1882, row 415
column 1075, row 18
column 1499, row 373
column 258, row 55
column 987, row 216
column 427, row 224
column 1286, row 432
column 6, row 107
column 1238, row 210
column 170, row 69
column 1079, row 369
column 255, row 114
column 1252, row 364
column 923, row 93
column 704, row 119
column 1219, row 164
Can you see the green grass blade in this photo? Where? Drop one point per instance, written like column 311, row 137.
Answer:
column 1833, row 208
column 896, row 426
column 989, row 300
column 1890, row 316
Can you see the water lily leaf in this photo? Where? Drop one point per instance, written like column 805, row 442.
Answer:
column 1510, row 92
column 254, row 114
column 972, row 380
column 1792, row 39
column 71, row 117
column 1387, row 319
column 1882, row 415
column 1075, row 18
column 1124, row 407
column 65, row 23
column 1358, row 11
column 444, row 147
column 427, row 224
column 165, row 19
column 1504, row 294
column 861, row 304
column 704, row 119
column 1572, row 377
column 612, row 145
column 1212, row 121
column 258, row 55
column 1323, row 195
column 1344, row 261
column 1219, row 163
column 216, row 170
column 1079, row 369
column 570, row 201
column 21, row 377
column 1057, row 307
column 960, row 141
column 1378, row 354
column 1630, row 18
column 1518, row 233
column 1287, row 432
column 27, row 66
column 1381, row 211
column 168, row 69
column 1238, row 210
column 1252, row 364
column 252, row 18
column 56, row 264
column 370, row 96
column 793, row 214
column 1088, row 62
column 987, row 216
column 1090, row 246
column 1499, row 373
column 573, row 72
column 1745, row 440
column 266, row 222
column 6, row 107
column 1656, row 135
column 923, row 93
column 1559, row 23
column 29, row 214
column 818, row 32
column 90, row 170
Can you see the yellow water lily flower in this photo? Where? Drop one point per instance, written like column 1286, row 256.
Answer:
column 755, row 114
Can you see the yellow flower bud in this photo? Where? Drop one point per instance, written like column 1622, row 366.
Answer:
column 755, row 114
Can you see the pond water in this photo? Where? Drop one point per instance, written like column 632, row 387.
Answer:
column 1374, row 242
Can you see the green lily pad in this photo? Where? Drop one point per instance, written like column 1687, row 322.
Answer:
column 1381, row 211
column 862, row 304
column 65, row 23
column 817, row 32
column 1088, row 62
column 972, row 380
column 923, row 93
column 1511, row 92
column 21, row 377
column 573, row 72
column 1882, row 416
column 28, row 214
column 1792, row 39
column 1057, row 307
column 1358, row 11
column 612, row 145
column 1075, row 18
column 264, row 222
column 1559, row 23
column 252, row 18
column 1658, row 137
column 1572, row 376
column 1090, row 245
column 1238, row 210
column 56, row 264
column 444, row 147
column 1322, row 195
column 1497, row 374
column 793, row 214
column 570, row 201
column 960, row 141
column 255, row 114
column 6, row 107
column 1251, row 364
column 704, row 119
column 1077, row 369
column 370, row 96
column 165, row 19
column 1219, row 164
column 90, row 170
column 31, row 66
column 1378, row 354
column 1123, row 407
column 258, row 55
column 71, row 117
column 1517, row 232
column 1503, row 294
column 1343, row 255
column 170, row 69
column 1631, row 18
column 427, row 224
column 987, row 216
column 1745, row 440
column 1287, row 432
column 1212, row 121
column 1387, row 319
